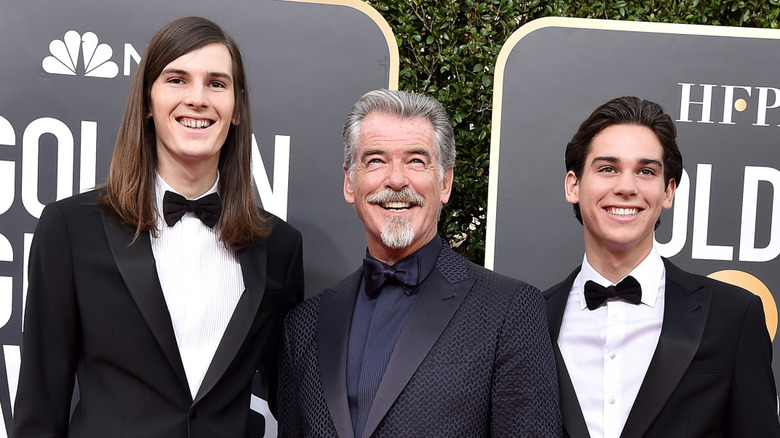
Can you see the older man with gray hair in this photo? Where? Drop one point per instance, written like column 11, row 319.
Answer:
column 418, row 341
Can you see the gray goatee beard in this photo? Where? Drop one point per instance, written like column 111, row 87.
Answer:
column 397, row 232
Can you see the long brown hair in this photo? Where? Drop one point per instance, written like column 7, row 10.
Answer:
column 129, row 191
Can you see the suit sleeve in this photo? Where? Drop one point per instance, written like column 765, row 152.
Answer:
column 294, row 293
column 289, row 412
column 295, row 274
column 51, row 340
column 525, row 388
column 752, row 410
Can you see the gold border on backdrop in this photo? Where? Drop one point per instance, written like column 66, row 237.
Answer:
column 373, row 14
column 577, row 23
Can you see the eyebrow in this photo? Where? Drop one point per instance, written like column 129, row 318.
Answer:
column 380, row 151
column 419, row 151
column 645, row 161
column 372, row 151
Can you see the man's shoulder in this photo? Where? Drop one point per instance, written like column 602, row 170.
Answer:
column 280, row 228
column 455, row 267
column 304, row 316
column 80, row 211
column 79, row 202
column 722, row 291
column 309, row 308
column 495, row 280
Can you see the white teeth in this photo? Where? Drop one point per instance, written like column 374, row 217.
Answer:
column 195, row 123
column 396, row 205
column 624, row 211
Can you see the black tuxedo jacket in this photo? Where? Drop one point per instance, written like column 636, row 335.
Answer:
column 473, row 360
column 95, row 310
column 710, row 375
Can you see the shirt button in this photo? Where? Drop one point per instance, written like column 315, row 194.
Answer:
column 612, row 400
column 611, row 355
column 614, row 317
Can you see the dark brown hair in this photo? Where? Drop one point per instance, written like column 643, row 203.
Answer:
column 129, row 192
column 627, row 110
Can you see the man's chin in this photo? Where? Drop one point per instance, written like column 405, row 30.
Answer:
column 398, row 239
column 392, row 244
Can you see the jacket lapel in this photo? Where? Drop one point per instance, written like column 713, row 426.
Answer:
column 571, row 412
column 439, row 299
column 555, row 298
column 253, row 270
column 136, row 265
column 335, row 318
column 685, row 314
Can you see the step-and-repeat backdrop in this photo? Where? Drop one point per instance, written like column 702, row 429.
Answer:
column 720, row 86
column 67, row 68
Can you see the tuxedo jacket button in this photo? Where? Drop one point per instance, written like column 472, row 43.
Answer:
column 193, row 413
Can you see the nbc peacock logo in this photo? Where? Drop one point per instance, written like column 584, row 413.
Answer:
column 66, row 53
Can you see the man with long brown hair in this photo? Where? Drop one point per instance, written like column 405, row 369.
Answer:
column 163, row 291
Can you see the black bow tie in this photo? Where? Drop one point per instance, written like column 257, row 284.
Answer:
column 376, row 274
column 628, row 289
column 207, row 208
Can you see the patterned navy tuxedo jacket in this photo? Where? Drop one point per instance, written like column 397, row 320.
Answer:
column 474, row 359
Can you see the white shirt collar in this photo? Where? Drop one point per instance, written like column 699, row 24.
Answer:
column 649, row 273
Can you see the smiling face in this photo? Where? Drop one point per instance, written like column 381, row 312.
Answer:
column 621, row 192
column 192, row 104
column 397, row 190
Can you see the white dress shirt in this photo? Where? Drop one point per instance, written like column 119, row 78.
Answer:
column 608, row 350
column 201, row 281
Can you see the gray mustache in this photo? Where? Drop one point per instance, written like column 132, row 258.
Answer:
column 389, row 195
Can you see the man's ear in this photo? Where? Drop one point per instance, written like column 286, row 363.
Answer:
column 446, row 186
column 349, row 194
column 671, row 187
column 571, row 187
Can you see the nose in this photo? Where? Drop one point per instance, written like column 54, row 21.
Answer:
column 626, row 185
column 196, row 97
column 396, row 177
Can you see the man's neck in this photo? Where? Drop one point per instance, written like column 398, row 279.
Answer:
column 614, row 266
column 390, row 256
column 190, row 183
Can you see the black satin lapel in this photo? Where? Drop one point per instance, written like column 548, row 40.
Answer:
column 555, row 301
column 685, row 314
column 253, row 270
column 335, row 318
column 437, row 303
column 136, row 265
column 571, row 412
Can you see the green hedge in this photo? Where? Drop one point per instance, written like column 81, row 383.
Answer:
column 448, row 49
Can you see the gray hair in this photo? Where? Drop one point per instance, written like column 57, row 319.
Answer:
column 404, row 105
